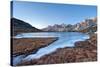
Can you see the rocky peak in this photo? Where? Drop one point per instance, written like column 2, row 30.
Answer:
column 76, row 27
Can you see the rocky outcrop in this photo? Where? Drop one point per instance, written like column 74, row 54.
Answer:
column 19, row 26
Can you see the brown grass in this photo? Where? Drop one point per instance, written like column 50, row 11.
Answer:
column 82, row 52
column 28, row 45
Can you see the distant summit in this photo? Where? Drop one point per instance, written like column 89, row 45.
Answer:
column 19, row 26
column 89, row 24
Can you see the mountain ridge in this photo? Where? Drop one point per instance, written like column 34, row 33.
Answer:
column 19, row 26
column 87, row 23
column 86, row 26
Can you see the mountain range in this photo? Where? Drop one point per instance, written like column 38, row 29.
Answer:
column 89, row 24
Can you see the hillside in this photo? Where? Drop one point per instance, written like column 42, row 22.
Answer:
column 89, row 29
column 19, row 26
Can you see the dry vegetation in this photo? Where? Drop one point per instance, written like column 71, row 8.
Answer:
column 28, row 45
column 82, row 52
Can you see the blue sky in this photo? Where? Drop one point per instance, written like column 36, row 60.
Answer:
column 41, row 15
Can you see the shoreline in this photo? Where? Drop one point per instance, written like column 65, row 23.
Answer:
column 20, row 46
column 82, row 52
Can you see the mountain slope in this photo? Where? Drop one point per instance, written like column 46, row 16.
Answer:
column 19, row 26
column 89, row 29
